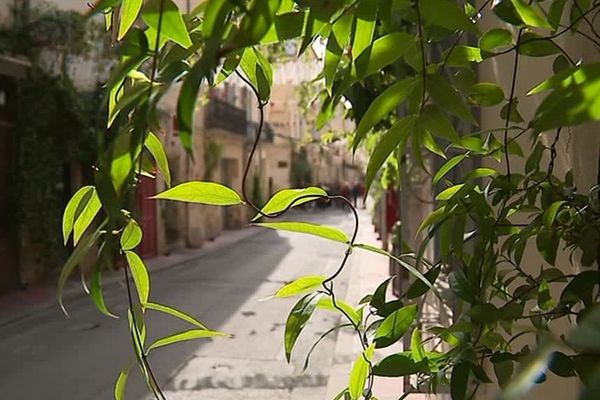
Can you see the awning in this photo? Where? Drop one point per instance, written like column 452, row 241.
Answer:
column 13, row 67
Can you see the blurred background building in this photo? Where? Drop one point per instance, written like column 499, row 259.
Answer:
column 48, row 47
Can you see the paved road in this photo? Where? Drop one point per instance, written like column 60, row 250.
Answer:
column 47, row 356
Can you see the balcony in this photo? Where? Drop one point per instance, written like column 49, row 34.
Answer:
column 222, row 115
column 267, row 131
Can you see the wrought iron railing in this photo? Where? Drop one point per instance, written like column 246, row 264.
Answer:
column 226, row 116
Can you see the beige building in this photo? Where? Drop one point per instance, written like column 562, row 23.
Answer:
column 578, row 150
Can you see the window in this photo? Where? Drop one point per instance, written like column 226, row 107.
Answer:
column 282, row 164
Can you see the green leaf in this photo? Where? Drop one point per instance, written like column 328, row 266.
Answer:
column 359, row 373
column 547, row 244
column 496, row 39
column 446, row 14
column 423, row 137
column 534, row 45
column 550, row 213
column 579, row 288
column 416, row 346
column 504, row 372
column 533, row 162
column 463, row 55
column 585, row 336
column 174, row 312
column 545, row 301
column 437, row 123
column 395, row 325
column 286, row 26
column 447, row 194
column 172, row 25
column 562, row 365
column 88, row 213
column 343, row 395
column 579, row 9
column 433, row 218
column 366, row 19
column 573, row 102
column 300, row 286
column 514, row 116
column 232, row 61
column 461, row 286
column 378, row 300
column 185, row 335
column 256, row 22
column 530, row 15
column 485, row 313
column 560, row 63
column 459, row 381
column 336, row 44
column 383, row 104
column 96, row 292
column 114, row 88
column 131, row 236
column 326, row 303
column 403, row 264
column 258, row 70
column 129, row 12
column 448, row 98
column 74, row 208
column 140, row 275
column 323, row 231
column 210, row 193
column 215, row 14
column 480, row 173
column 297, row 319
column 555, row 13
column 382, row 52
column 448, row 166
column 156, row 148
column 121, row 382
column 137, row 327
column 122, row 161
column 486, row 94
column 186, row 105
column 102, row 6
column 397, row 365
column 418, row 288
column 81, row 249
column 285, row 197
column 323, row 336
column 394, row 137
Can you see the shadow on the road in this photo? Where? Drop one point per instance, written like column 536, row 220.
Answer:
column 51, row 357
column 212, row 288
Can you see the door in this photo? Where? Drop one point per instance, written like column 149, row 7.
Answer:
column 9, row 275
column 147, row 217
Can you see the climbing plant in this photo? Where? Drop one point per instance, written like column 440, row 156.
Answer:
column 406, row 68
column 55, row 122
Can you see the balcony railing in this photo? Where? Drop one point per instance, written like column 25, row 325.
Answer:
column 222, row 115
column 267, row 132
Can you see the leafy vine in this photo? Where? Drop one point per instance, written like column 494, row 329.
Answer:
column 409, row 82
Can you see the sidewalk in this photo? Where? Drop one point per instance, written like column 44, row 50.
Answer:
column 21, row 304
column 368, row 270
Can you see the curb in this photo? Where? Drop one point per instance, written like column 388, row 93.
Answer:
column 155, row 264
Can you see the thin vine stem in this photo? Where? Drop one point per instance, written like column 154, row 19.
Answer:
column 327, row 284
column 153, row 384
column 423, row 56
column 511, row 100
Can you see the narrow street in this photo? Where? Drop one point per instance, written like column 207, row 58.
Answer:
column 47, row 356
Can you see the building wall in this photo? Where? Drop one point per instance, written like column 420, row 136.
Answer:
column 578, row 149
